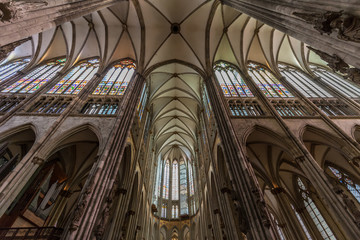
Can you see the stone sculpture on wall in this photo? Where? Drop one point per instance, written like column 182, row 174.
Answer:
column 338, row 65
column 14, row 9
column 346, row 25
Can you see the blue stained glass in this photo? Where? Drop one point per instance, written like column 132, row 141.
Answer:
column 36, row 78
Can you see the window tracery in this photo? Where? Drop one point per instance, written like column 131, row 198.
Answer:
column 337, row 82
column 345, row 180
column 177, row 176
column 10, row 69
column 314, row 212
column 303, row 83
column 37, row 77
column 77, row 78
column 117, row 79
column 267, row 82
column 230, row 81
column 308, row 236
column 142, row 102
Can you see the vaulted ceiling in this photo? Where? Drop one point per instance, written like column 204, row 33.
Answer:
column 174, row 43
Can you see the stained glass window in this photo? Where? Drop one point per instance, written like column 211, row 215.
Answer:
column 175, row 211
column 191, row 180
column 179, row 177
column 10, row 69
column 117, row 79
column 345, row 180
column 166, row 180
column 183, row 189
column 308, row 236
column 278, row 228
column 163, row 210
column 36, row 78
column 230, row 81
column 142, row 102
column 314, row 213
column 267, row 82
column 175, row 181
column 206, row 102
column 77, row 78
column 303, row 83
column 337, row 82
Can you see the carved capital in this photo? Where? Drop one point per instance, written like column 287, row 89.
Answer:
column 14, row 10
column 122, row 191
column 37, row 160
column 277, row 190
column 300, row 159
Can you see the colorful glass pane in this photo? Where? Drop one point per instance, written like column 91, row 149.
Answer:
column 37, row 78
column 10, row 69
column 77, row 78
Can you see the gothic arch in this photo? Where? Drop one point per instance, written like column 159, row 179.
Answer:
column 66, row 137
column 325, row 147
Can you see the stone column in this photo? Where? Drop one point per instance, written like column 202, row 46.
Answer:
column 312, row 170
column 22, row 18
column 245, row 182
column 280, row 15
column 286, row 211
column 100, row 181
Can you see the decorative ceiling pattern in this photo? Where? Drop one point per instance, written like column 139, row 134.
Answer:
column 174, row 43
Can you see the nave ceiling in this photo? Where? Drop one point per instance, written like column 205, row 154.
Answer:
column 174, row 62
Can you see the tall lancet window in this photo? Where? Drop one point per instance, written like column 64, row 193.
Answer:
column 183, row 189
column 77, row 78
column 143, row 101
column 116, row 79
column 191, row 180
column 166, row 180
column 175, row 181
column 37, row 77
column 314, row 213
column 230, row 81
column 345, row 180
column 337, row 82
column 177, row 176
column 267, row 82
column 10, row 69
column 303, row 83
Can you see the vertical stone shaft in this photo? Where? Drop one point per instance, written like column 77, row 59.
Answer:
column 99, row 183
column 244, row 181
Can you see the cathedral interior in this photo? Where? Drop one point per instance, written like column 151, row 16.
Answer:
column 180, row 119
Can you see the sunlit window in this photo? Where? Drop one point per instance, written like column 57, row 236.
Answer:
column 303, row 83
column 11, row 68
column 267, row 82
column 230, row 81
column 37, row 77
column 175, row 181
column 77, row 78
column 302, row 223
column 345, row 180
column 337, row 82
column 117, row 79
column 166, row 180
column 314, row 213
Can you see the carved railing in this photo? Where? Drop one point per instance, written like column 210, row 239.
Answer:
column 245, row 108
column 101, row 106
column 50, row 105
column 290, row 108
column 42, row 233
column 334, row 107
column 8, row 103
